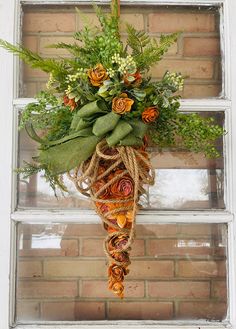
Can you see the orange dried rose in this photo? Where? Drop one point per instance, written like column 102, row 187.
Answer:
column 150, row 114
column 69, row 102
column 118, row 242
column 116, row 273
column 137, row 79
column 97, row 75
column 123, row 188
column 122, row 104
column 118, row 289
column 122, row 257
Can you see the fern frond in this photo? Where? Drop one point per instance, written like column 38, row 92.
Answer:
column 74, row 49
column 137, row 40
column 147, row 51
column 30, row 169
column 33, row 59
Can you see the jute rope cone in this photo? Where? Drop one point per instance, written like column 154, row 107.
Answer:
column 125, row 170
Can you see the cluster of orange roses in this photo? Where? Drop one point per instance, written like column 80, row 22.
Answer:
column 122, row 104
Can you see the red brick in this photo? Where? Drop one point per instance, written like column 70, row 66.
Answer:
column 71, row 311
column 134, row 19
column 47, row 289
column 160, row 230
column 201, row 46
column 140, row 310
column 183, row 22
column 192, row 69
column 137, row 248
column 31, row 42
column 201, row 90
column 75, row 268
column 46, row 41
column 201, row 269
column 91, row 230
column 202, row 310
column 99, row 289
column 141, row 269
column 179, row 289
column 58, row 311
column 178, row 247
column 49, row 22
column 92, row 247
column 219, row 290
column 89, row 311
column 27, row 310
column 29, row 269
column 193, row 230
column 69, row 248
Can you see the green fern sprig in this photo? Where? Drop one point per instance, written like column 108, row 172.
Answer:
column 147, row 51
column 34, row 60
column 30, row 169
column 137, row 40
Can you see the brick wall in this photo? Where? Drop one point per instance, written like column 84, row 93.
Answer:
column 196, row 54
column 177, row 272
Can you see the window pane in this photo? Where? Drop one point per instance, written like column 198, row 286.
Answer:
column 196, row 54
column 183, row 181
column 178, row 271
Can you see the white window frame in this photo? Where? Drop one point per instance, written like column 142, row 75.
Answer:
column 9, row 73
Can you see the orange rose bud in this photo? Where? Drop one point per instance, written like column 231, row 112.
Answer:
column 122, row 104
column 70, row 102
column 150, row 114
column 97, row 75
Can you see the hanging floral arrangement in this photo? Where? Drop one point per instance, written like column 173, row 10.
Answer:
column 100, row 113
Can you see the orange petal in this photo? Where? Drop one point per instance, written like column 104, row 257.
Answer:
column 121, row 220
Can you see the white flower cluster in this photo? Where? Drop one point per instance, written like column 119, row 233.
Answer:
column 81, row 73
column 69, row 90
column 126, row 65
column 111, row 72
column 175, row 79
column 50, row 82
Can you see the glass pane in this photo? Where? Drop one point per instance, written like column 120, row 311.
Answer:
column 183, row 181
column 178, row 271
column 196, row 54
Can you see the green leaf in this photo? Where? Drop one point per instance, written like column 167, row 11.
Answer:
column 105, row 124
column 64, row 157
column 121, row 130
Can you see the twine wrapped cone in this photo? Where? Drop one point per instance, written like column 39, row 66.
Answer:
column 114, row 179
